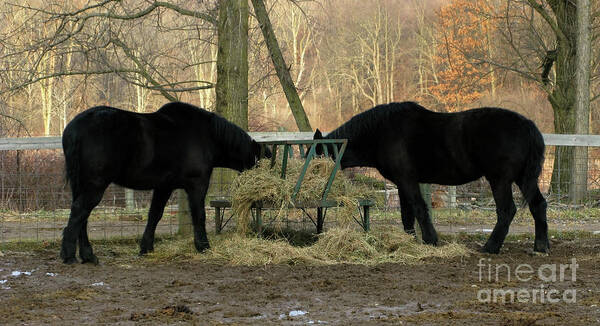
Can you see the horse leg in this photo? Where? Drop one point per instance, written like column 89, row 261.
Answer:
column 196, row 196
column 408, row 218
column 506, row 210
column 537, row 207
column 418, row 208
column 81, row 207
column 85, row 247
column 157, row 207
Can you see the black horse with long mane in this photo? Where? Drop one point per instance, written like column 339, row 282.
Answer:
column 175, row 147
column 409, row 144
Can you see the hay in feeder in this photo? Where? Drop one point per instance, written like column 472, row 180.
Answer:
column 265, row 184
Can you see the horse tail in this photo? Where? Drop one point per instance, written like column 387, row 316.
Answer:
column 533, row 163
column 71, row 149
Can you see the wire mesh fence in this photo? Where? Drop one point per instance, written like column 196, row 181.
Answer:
column 35, row 199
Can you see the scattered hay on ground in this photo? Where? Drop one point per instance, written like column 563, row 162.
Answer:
column 338, row 245
column 235, row 249
column 265, row 184
column 381, row 246
column 241, row 250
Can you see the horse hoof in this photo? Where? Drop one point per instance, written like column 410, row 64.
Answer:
column 433, row 241
column 537, row 253
column 542, row 247
column 411, row 232
column 144, row 251
column 489, row 250
column 70, row 261
column 93, row 259
column 541, row 251
column 202, row 247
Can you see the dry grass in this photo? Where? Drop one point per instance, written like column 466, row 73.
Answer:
column 338, row 245
column 380, row 246
column 265, row 184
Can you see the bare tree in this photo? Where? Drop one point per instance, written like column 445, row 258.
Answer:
column 582, row 101
column 283, row 73
column 426, row 52
column 97, row 39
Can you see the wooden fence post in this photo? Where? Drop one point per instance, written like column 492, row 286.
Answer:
column 184, row 219
column 129, row 199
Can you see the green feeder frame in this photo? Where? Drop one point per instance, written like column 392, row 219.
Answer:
column 311, row 145
column 307, row 149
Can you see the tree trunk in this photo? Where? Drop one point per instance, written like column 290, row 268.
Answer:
column 231, row 88
column 563, row 155
column 283, row 72
column 232, row 62
column 582, row 101
column 562, row 97
column 48, row 65
column 184, row 218
column 232, row 78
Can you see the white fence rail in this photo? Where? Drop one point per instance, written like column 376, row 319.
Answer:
column 56, row 143
column 7, row 144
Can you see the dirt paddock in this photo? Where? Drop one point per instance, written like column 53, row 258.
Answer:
column 35, row 289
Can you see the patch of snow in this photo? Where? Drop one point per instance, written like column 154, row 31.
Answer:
column 99, row 284
column 19, row 273
column 4, row 287
column 295, row 313
column 51, row 274
column 484, row 230
column 597, row 232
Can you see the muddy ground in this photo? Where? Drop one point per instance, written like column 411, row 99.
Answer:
column 35, row 289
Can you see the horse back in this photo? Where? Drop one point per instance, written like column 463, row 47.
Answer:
column 139, row 151
column 407, row 141
column 455, row 148
column 425, row 146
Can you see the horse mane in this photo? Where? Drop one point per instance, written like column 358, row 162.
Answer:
column 225, row 132
column 229, row 134
column 369, row 122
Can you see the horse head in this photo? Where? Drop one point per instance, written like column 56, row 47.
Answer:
column 320, row 148
column 257, row 152
column 263, row 151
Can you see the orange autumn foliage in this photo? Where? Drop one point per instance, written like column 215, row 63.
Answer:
column 463, row 34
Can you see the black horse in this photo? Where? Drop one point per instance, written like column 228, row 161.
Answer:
column 175, row 147
column 409, row 144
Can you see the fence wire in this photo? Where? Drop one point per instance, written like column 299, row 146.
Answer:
column 35, row 199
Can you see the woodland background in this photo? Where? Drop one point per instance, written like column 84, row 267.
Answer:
column 58, row 58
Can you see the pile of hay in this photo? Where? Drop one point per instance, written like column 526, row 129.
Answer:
column 337, row 245
column 390, row 244
column 265, row 184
